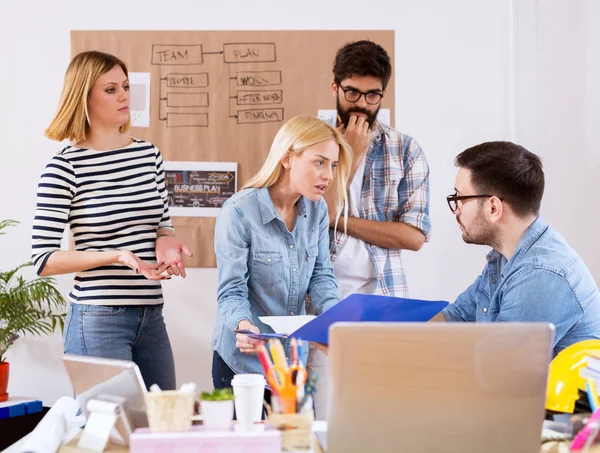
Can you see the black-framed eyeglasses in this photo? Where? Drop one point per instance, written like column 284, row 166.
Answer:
column 353, row 95
column 454, row 199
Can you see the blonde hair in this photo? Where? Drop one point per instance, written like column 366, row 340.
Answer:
column 72, row 119
column 295, row 136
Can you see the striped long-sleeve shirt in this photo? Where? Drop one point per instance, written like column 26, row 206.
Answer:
column 111, row 200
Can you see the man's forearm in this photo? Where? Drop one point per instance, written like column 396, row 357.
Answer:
column 438, row 318
column 390, row 235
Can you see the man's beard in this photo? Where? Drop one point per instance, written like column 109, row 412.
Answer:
column 480, row 232
column 345, row 114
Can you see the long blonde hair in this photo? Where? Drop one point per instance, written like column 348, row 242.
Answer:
column 295, row 136
column 72, row 119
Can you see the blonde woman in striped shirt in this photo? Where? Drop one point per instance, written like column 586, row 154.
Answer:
column 110, row 189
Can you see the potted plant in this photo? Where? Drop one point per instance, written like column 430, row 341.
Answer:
column 217, row 409
column 26, row 307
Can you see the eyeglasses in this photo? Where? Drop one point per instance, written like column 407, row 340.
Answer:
column 454, row 199
column 352, row 95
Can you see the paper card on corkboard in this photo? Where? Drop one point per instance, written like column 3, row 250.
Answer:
column 221, row 96
column 199, row 189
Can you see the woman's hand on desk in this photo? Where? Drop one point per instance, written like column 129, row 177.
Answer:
column 244, row 343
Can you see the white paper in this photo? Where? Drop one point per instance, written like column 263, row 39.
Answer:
column 139, row 104
column 320, row 431
column 51, row 430
column 286, row 324
column 199, row 199
column 326, row 115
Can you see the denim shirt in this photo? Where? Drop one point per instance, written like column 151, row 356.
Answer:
column 266, row 270
column 545, row 280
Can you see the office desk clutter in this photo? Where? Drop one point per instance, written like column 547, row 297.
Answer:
column 217, row 409
column 170, row 421
column 249, row 392
column 566, row 384
column 573, row 384
column 170, row 410
column 291, row 405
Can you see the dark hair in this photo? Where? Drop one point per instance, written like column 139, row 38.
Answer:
column 508, row 171
column 362, row 58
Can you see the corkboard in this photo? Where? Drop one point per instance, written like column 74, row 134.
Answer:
column 221, row 96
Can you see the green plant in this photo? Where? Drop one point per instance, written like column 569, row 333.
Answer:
column 217, row 395
column 27, row 307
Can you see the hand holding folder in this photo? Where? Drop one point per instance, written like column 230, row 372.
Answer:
column 261, row 336
column 357, row 308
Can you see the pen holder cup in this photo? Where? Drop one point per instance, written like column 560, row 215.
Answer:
column 295, row 429
column 169, row 411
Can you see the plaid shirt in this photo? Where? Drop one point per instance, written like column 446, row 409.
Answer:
column 395, row 189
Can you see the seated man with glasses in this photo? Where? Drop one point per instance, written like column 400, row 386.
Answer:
column 388, row 189
column 531, row 274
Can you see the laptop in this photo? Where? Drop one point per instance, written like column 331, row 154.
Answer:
column 429, row 387
column 113, row 380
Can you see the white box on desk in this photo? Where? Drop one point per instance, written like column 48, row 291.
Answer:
column 262, row 440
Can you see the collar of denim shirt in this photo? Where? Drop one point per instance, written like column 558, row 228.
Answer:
column 530, row 236
column 267, row 208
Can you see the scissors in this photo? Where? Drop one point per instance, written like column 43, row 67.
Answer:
column 280, row 380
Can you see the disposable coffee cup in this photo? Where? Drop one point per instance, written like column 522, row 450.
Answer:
column 249, row 392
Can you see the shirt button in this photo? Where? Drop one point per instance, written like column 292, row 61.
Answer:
column 494, row 281
column 292, row 246
column 293, row 292
column 291, row 312
column 485, row 310
column 294, row 269
column 269, row 260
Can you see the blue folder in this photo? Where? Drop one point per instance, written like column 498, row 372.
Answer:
column 19, row 408
column 367, row 307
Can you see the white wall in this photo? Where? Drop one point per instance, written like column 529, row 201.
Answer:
column 466, row 71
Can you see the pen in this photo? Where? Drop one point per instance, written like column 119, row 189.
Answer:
column 592, row 394
column 300, row 347
column 263, row 357
column 278, row 353
column 587, row 435
column 294, row 351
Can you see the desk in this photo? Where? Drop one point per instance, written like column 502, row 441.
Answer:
column 71, row 447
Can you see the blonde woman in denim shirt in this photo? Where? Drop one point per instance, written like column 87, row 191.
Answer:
column 272, row 241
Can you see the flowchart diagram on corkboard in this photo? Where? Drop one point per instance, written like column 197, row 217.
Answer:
column 217, row 99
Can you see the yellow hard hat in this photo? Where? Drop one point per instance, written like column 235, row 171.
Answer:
column 564, row 380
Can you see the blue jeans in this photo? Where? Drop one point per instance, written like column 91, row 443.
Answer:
column 125, row 332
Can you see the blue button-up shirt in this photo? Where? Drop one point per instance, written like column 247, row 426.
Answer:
column 266, row 270
column 545, row 280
